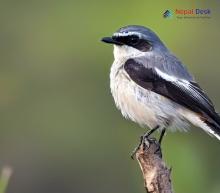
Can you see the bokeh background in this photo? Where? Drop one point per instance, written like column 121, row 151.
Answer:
column 59, row 129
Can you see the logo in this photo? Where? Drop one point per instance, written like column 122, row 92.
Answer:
column 167, row 14
column 187, row 13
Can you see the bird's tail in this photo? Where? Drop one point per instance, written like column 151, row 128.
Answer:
column 212, row 127
column 209, row 125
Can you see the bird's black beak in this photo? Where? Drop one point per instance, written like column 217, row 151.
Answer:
column 109, row 40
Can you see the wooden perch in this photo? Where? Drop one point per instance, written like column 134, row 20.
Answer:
column 155, row 173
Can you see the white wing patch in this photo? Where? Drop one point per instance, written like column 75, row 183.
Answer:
column 184, row 85
column 171, row 78
column 165, row 76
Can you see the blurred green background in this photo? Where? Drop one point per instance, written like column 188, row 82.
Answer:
column 60, row 130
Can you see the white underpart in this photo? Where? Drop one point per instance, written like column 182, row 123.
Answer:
column 146, row 107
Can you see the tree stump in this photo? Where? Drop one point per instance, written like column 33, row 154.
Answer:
column 155, row 172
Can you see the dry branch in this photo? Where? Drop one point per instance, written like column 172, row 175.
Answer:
column 155, row 173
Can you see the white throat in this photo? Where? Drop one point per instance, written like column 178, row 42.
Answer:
column 126, row 52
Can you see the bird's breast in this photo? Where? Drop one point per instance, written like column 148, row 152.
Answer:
column 143, row 106
column 130, row 99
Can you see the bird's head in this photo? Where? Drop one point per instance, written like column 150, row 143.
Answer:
column 133, row 41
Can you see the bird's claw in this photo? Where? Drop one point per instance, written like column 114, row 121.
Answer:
column 143, row 141
column 137, row 148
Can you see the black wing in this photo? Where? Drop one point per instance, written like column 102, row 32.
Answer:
column 183, row 92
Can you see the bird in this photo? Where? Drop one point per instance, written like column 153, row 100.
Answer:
column 153, row 88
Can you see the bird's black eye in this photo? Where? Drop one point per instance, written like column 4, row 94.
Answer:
column 133, row 40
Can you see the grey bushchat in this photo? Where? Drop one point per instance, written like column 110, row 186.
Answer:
column 153, row 88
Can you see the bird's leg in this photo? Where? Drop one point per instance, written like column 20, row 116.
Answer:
column 146, row 135
column 162, row 135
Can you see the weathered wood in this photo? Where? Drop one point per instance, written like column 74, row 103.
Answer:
column 155, row 172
